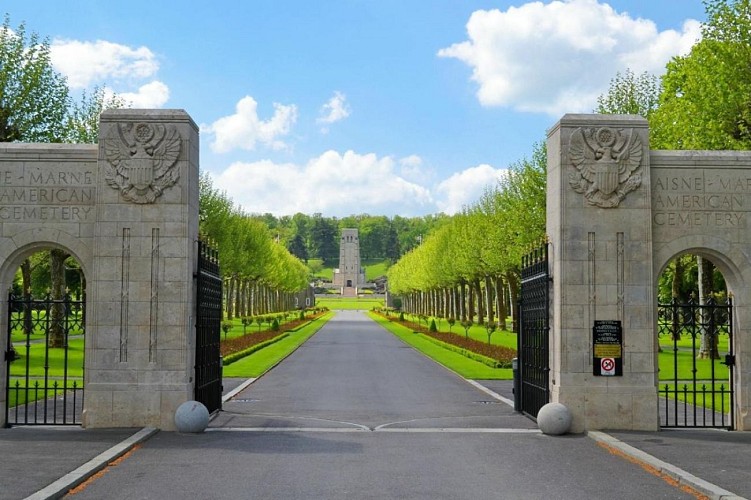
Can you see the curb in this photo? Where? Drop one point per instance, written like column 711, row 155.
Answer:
column 82, row 473
column 676, row 473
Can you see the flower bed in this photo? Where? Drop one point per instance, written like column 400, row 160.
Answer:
column 503, row 355
column 238, row 344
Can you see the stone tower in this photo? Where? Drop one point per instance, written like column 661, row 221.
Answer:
column 350, row 275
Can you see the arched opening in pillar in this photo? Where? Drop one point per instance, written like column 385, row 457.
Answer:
column 45, row 335
column 694, row 344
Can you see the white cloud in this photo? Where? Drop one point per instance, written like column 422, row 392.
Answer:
column 244, row 128
column 334, row 110
column 91, row 63
column 412, row 168
column 560, row 56
column 466, row 187
column 332, row 183
column 339, row 184
column 151, row 95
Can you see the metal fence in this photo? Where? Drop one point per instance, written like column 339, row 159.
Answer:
column 696, row 386
column 208, row 385
column 533, row 347
column 44, row 361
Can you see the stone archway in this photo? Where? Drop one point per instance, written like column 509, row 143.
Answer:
column 616, row 214
column 54, row 403
column 127, row 209
column 699, row 338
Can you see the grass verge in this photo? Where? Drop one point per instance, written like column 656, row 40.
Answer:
column 261, row 361
column 336, row 303
column 460, row 364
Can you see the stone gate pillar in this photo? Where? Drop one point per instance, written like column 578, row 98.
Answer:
column 140, row 335
column 599, row 225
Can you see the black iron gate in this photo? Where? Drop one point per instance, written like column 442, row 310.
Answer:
column 696, row 364
column 532, row 344
column 208, row 386
column 44, row 361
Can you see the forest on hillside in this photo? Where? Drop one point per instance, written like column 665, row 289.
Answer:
column 381, row 237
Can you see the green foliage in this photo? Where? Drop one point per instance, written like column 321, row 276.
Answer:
column 487, row 239
column 433, row 328
column 275, row 325
column 324, row 239
column 226, row 327
column 246, row 247
column 704, row 102
column 35, row 101
column 34, row 98
column 490, row 328
column 630, row 95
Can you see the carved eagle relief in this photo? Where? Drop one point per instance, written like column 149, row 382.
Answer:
column 607, row 164
column 142, row 158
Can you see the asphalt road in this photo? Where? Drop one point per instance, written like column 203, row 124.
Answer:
column 356, row 414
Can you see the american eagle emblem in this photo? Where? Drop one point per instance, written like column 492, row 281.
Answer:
column 607, row 164
column 142, row 159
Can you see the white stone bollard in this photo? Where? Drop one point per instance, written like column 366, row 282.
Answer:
column 191, row 417
column 554, row 419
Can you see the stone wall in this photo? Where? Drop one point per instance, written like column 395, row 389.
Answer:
column 617, row 213
column 127, row 210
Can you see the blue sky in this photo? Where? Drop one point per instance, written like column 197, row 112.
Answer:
column 361, row 106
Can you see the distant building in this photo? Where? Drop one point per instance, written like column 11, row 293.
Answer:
column 350, row 276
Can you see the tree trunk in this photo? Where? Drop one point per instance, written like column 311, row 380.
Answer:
column 26, row 276
column 463, row 300
column 708, row 348
column 57, row 294
column 500, row 302
column 489, row 299
column 470, row 302
column 513, row 290
column 231, row 297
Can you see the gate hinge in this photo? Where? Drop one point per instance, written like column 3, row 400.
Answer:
column 729, row 360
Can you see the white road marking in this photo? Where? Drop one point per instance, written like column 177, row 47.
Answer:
column 490, row 393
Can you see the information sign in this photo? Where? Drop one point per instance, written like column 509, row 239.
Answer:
column 607, row 348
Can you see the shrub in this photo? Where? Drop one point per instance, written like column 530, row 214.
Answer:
column 275, row 325
column 432, row 326
column 226, row 327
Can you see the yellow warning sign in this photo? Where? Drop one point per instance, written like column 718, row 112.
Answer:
column 607, row 351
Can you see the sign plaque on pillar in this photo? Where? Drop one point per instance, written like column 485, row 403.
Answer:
column 607, row 348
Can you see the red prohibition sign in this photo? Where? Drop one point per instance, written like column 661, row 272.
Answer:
column 608, row 364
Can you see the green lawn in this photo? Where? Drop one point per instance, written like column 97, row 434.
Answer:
column 686, row 361
column 37, row 371
column 339, row 303
column 56, row 360
column 263, row 360
column 462, row 365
